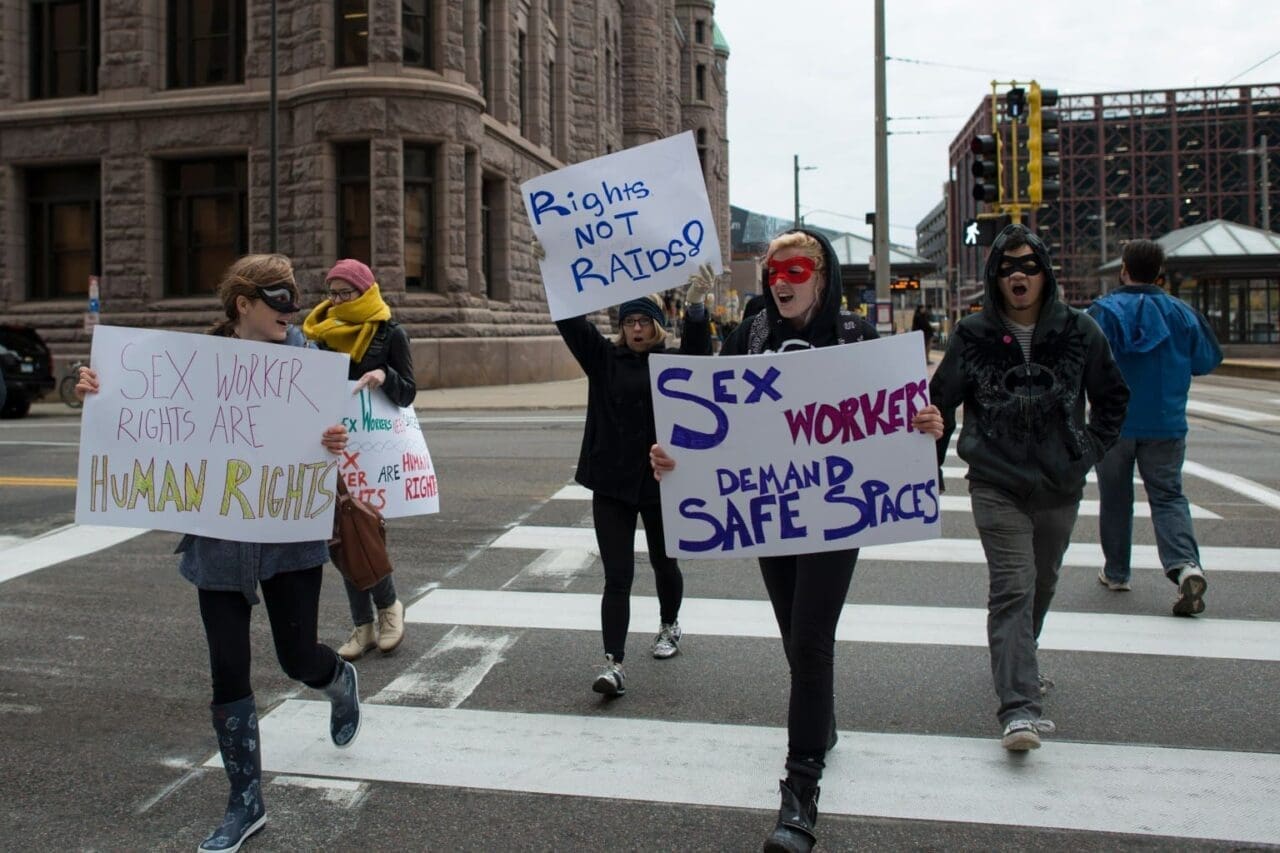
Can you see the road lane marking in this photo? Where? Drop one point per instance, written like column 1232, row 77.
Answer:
column 1078, row 786
column 950, row 503
column 1234, row 639
column 41, row 443
column 49, row 482
column 451, row 669
column 562, row 566
column 1086, row 554
column 1197, row 407
column 60, row 545
column 1232, row 482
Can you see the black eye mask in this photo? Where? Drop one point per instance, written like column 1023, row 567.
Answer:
column 279, row 297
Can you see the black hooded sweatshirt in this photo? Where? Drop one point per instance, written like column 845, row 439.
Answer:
column 769, row 331
column 1025, row 430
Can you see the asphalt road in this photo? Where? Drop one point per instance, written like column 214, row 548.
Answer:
column 482, row 732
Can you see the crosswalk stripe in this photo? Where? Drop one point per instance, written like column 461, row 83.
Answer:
column 1079, row 786
column 1222, row 559
column 950, row 503
column 57, row 546
column 1198, row 407
column 862, row 623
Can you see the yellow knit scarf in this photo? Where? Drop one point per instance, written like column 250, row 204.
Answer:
column 349, row 326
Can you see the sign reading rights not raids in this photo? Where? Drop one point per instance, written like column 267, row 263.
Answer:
column 622, row 226
column 797, row 452
column 210, row 435
column 386, row 463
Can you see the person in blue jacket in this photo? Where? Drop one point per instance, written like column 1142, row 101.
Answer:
column 1159, row 343
column 259, row 297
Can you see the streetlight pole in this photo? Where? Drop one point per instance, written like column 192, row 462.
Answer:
column 796, row 170
column 273, row 141
column 881, row 233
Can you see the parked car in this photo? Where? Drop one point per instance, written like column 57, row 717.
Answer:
column 27, row 368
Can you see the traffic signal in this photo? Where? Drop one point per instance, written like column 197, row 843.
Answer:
column 1015, row 102
column 990, row 226
column 1043, row 167
column 986, row 167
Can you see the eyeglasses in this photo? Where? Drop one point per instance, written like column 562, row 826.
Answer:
column 1027, row 265
column 278, row 297
column 795, row 270
column 342, row 295
column 638, row 322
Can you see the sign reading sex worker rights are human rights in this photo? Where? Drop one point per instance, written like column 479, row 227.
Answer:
column 796, row 452
column 622, row 226
column 210, row 435
column 386, row 463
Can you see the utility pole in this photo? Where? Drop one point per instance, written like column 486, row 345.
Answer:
column 273, row 142
column 1261, row 151
column 797, row 169
column 880, row 236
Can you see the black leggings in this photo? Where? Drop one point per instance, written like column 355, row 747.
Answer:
column 293, row 602
column 807, row 592
column 615, row 523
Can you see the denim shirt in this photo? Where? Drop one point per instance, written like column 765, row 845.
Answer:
column 223, row 565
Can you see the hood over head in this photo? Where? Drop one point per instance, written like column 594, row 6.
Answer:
column 1010, row 238
column 1140, row 324
column 823, row 329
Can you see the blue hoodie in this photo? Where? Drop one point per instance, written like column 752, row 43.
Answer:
column 1159, row 343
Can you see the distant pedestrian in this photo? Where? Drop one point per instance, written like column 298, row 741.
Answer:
column 259, row 297
column 1023, row 369
column 354, row 320
column 920, row 323
column 614, row 462
column 800, row 309
column 1159, row 342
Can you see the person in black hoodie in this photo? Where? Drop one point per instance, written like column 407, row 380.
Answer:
column 613, row 462
column 1023, row 368
column 802, row 310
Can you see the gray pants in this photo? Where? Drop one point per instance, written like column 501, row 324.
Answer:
column 382, row 595
column 1024, row 549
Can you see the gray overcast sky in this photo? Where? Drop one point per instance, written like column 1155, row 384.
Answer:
column 801, row 81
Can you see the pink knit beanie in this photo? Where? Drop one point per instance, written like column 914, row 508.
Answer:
column 352, row 271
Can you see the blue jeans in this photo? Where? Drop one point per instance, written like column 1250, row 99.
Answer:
column 1024, row 549
column 1159, row 462
column 362, row 601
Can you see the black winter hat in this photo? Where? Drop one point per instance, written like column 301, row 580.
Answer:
column 643, row 305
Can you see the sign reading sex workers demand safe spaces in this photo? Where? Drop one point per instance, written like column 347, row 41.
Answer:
column 210, row 435
column 386, row 463
column 796, row 452
column 622, row 226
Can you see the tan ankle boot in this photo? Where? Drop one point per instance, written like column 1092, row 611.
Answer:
column 362, row 639
column 390, row 627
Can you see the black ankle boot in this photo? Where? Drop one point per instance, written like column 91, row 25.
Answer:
column 236, row 724
column 797, row 815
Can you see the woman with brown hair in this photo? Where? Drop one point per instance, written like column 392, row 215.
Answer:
column 259, row 297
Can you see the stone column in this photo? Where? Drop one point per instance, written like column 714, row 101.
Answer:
column 386, row 160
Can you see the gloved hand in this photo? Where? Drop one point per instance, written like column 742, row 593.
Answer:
column 539, row 253
column 700, row 284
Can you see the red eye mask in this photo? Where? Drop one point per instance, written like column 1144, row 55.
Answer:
column 795, row 270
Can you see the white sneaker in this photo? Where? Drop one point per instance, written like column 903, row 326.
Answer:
column 1022, row 735
column 611, row 681
column 667, row 643
column 1114, row 586
column 1191, row 587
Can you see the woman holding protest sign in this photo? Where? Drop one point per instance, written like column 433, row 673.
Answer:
column 801, row 278
column 259, row 297
column 354, row 320
column 613, row 462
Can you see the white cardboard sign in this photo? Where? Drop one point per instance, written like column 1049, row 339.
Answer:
column 796, row 452
column 622, row 226
column 210, row 435
column 387, row 464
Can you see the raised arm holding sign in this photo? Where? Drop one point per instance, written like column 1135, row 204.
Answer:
column 799, row 459
column 237, row 395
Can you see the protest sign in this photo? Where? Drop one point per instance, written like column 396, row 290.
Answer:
column 210, row 435
column 386, row 463
column 797, row 452
column 622, row 226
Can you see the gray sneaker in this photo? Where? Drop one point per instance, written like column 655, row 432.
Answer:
column 667, row 643
column 1022, row 735
column 611, row 681
column 1191, row 587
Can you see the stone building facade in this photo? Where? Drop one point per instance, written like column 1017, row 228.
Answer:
column 135, row 147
